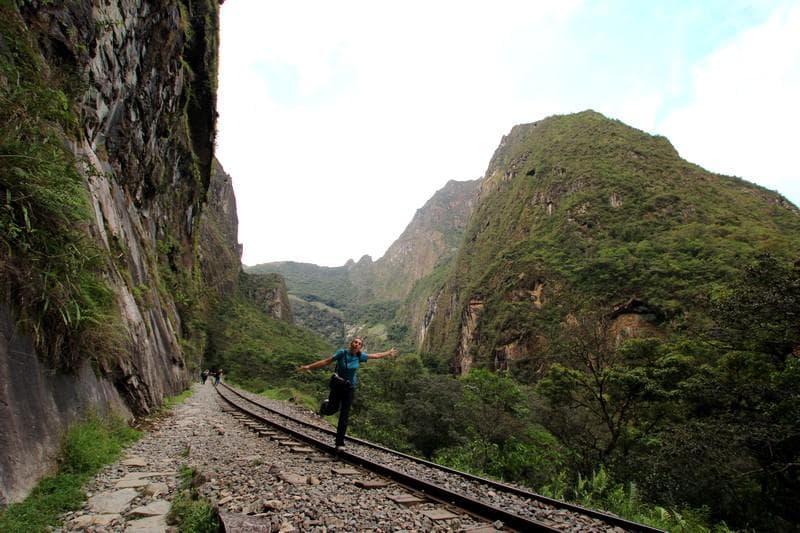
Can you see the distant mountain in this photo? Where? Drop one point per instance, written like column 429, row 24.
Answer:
column 432, row 236
column 574, row 211
column 581, row 209
column 343, row 299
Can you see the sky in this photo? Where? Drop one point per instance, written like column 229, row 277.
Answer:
column 338, row 120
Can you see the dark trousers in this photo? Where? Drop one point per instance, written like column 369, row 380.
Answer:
column 340, row 399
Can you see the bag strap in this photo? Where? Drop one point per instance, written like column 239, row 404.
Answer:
column 339, row 368
column 343, row 361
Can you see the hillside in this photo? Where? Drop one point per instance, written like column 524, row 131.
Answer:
column 581, row 208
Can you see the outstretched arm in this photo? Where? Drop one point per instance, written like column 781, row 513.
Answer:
column 380, row 355
column 317, row 364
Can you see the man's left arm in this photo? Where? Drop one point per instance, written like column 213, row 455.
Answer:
column 380, row 355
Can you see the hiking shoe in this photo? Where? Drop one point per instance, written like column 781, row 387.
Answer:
column 323, row 407
column 339, row 448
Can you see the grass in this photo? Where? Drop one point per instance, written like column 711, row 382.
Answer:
column 189, row 512
column 293, row 395
column 87, row 447
column 171, row 402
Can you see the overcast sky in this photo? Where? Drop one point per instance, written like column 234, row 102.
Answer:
column 338, row 120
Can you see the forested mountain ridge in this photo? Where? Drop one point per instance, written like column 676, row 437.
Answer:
column 581, row 207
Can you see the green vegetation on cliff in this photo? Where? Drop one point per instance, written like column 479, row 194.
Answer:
column 50, row 268
column 580, row 206
column 647, row 303
column 624, row 324
column 256, row 350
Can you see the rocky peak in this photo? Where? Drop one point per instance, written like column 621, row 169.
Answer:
column 433, row 234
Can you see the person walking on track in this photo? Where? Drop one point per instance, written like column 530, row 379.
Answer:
column 344, row 380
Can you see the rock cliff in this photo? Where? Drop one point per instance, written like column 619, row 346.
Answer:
column 140, row 79
column 219, row 252
column 268, row 293
column 432, row 236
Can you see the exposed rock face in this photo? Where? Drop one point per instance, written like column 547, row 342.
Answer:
column 268, row 292
column 464, row 356
column 219, row 251
column 36, row 406
column 433, row 235
column 147, row 74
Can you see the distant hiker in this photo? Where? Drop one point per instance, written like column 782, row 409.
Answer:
column 217, row 377
column 204, row 375
column 343, row 382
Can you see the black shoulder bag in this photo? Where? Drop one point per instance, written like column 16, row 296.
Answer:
column 337, row 381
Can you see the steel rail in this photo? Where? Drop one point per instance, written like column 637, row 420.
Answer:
column 475, row 507
column 559, row 504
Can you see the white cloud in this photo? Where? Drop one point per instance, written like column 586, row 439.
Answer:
column 743, row 112
column 339, row 172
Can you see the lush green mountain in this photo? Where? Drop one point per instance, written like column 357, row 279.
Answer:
column 581, row 208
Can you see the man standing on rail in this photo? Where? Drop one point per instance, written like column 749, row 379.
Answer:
column 343, row 382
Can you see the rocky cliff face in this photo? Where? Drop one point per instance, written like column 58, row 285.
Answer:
column 219, row 252
column 145, row 75
column 324, row 296
column 268, row 293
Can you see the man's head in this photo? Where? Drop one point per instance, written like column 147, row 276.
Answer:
column 356, row 344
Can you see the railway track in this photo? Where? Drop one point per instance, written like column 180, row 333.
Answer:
column 517, row 508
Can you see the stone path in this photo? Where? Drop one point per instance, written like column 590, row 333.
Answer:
column 134, row 494
column 258, row 484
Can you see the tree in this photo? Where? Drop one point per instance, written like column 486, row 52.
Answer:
column 431, row 414
column 757, row 377
column 493, row 407
column 601, row 394
column 761, row 311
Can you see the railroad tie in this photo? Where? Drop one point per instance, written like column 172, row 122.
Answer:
column 371, row 484
column 439, row 514
column 301, row 449
column 406, row 499
column 344, row 471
